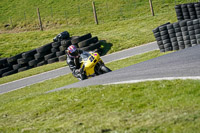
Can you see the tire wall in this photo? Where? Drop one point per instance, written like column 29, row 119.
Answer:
column 182, row 34
column 188, row 11
column 46, row 54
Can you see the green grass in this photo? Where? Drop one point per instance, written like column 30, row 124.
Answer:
column 113, row 65
column 161, row 106
column 62, row 12
column 66, row 12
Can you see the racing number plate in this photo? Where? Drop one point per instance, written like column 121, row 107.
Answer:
column 91, row 58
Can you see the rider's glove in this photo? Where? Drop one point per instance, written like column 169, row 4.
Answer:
column 77, row 71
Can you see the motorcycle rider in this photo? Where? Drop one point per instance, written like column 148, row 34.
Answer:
column 73, row 55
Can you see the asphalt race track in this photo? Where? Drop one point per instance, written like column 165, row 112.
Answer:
column 14, row 85
column 183, row 63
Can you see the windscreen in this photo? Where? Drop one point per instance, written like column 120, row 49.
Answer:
column 85, row 56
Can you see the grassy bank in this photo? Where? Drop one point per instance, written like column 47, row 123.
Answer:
column 22, row 14
column 161, row 106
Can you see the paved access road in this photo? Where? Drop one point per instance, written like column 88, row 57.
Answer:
column 4, row 88
column 183, row 63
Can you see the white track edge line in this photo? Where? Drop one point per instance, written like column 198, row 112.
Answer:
column 130, row 49
column 28, row 85
column 32, row 76
column 129, row 56
column 155, row 79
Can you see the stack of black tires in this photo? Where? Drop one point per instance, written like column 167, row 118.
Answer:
column 47, row 54
column 188, row 11
column 182, row 34
column 86, row 42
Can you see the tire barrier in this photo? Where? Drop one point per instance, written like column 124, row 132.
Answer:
column 188, row 11
column 179, row 35
column 47, row 54
column 182, row 34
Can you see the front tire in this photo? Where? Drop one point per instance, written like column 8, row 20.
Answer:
column 105, row 69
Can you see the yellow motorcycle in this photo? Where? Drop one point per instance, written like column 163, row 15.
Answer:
column 92, row 64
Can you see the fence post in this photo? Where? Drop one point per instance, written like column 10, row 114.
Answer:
column 11, row 23
column 39, row 18
column 94, row 12
column 51, row 12
column 79, row 10
column 121, row 13
column 65, row 15
column 24, row 15
column 151, row 6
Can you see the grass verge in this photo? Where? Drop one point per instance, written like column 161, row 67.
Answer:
column 160, row 106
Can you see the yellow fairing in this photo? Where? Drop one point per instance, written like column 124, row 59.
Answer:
column 91, row 63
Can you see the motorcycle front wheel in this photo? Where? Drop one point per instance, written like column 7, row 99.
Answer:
column 105, row 69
